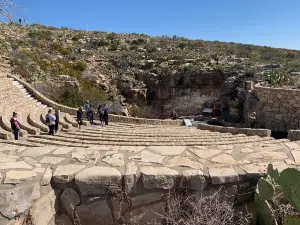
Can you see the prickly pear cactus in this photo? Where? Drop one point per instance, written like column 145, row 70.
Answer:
column 264, row 212
column 296, row 196
column 266, row 189
column 291, row 220
column 288, row 180
column 274, row 174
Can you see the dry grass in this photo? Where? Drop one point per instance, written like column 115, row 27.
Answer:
column 198, row 210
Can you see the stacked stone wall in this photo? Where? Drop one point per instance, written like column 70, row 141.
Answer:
column 294, row 135
column 235, row 130
column 278, row 108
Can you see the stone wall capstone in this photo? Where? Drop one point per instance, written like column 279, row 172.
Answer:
column 235, row 130
column 278, row 109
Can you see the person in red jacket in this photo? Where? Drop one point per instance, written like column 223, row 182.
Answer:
column 15, row 125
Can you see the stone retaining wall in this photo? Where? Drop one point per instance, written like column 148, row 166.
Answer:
column 234, row 130
column 294, row 135
column 278, row 108
column 73, row 111
column 102, row 195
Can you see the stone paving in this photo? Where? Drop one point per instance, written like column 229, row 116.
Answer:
column 26, row 170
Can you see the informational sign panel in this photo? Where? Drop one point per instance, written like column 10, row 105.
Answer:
column 187, row 123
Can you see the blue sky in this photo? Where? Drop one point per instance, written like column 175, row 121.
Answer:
column 261, row 22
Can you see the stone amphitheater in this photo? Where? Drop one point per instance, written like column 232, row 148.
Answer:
column 78, row 176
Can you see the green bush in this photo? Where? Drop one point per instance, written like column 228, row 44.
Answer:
column 74, row 97
column 40, row 34
column 113, row 47
column 79, row 66
column 78, row 36
column 111, row 36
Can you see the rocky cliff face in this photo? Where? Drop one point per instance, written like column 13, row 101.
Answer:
column 146, row 75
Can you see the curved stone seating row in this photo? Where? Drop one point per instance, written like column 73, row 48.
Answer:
column 45, row 139
column 34, row 120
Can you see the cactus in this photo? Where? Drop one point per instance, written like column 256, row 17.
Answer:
column 291, row 220
column 296, row 196
column 274, row 174
column 265, row 189
column 264, row 212
column 288, row 180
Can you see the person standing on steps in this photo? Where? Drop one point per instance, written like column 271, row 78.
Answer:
column 50, row 121
column 105, row 114
column 56, row 121
column 100, row 113
column 15, row 125
column 91, row 115
column 80, row 117
column 87, row 108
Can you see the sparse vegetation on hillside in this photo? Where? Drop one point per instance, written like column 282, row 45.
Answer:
column 126, row 64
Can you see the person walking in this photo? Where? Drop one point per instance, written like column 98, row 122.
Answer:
column 15, row 125
column 87, row 108
column 80, row 117
column 56, row 121
column 105, row 114
column 50, row 121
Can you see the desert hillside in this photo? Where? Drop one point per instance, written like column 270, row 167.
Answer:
column 138, row 74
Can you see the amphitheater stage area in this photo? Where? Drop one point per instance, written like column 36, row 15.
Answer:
column 71, row 175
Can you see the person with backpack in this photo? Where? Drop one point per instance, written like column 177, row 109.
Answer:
column 80, row 117
column 56, row 121
column 105, row 114
column 15, row 125
column 50, row 121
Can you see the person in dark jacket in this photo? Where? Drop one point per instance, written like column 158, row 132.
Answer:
column 100, row 113
column 105, row 114
column 91, row 116
column 80, row 117
column 57, row 120
column 173, row 115
column 15, row 125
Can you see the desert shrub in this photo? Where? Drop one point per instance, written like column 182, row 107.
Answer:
column 40, row 34
column 150, row 48
column 99, row 43
column 143, row 112
column 214, row 209
column 24, row 66
column 250, row 72
column 78, row 36
column 182, row 45
column 79, row 66
column 280, row 76
column 74, row 97
column 111, row 36
column 113, row 47
column 61, row 48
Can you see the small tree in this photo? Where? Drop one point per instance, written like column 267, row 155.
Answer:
column 6, row 7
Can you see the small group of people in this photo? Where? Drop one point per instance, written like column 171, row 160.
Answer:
column 102, row 112
column 52, row 121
